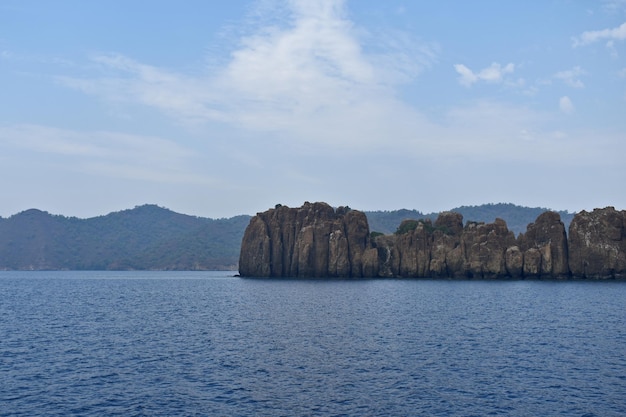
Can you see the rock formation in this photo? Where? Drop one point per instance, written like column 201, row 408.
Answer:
column 544, row 247
column 316, row 240
column 597, row 243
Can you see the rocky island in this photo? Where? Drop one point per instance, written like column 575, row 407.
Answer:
column 317, row 240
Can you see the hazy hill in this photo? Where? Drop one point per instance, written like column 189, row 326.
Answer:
column 152, row 237
column 146, row 237
column 388, row 221
column 516, row 217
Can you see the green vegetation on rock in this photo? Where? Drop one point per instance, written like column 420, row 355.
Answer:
column 408, row 225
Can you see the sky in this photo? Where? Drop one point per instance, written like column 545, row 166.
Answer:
column 217, row 109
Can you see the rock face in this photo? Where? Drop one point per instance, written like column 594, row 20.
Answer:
column 597, row 242
column 544, row 247
column 316, row 240
column 446, row 249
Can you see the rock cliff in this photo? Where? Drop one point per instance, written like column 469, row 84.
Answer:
column 316, row 240
column 544, row 247
column 597, row 242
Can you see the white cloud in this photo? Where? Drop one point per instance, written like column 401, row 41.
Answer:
column 566, row 105
column 306, row 78
column 610, row 45
column 467, row 76
column 493, row 73
column 588, row 37
column 309, row 84
column 571, row 77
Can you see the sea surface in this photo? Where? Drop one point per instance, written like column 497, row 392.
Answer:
column 208, row 344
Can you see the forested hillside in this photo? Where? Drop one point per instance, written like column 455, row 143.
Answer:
column 516, row 217
column 146, row 237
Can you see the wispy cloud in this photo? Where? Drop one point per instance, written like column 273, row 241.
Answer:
column 589, row 37
column 305, row 80
column 111, row 154
column 493, row 74
column 566, row 105
column 306, row 77
column 614, row 6
column 185, row 98
column 571, row 77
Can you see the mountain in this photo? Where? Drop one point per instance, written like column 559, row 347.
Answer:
column 516, row 217
column 146, row 237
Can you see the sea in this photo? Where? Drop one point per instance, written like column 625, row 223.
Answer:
column 210, row 344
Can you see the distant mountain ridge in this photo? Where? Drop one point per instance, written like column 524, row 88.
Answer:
column 150, row 237
column 516, row 217
column 146, row 237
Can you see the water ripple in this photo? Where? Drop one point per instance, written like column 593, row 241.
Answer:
column 197, row 344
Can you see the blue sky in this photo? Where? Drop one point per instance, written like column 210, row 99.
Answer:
column 223, row 108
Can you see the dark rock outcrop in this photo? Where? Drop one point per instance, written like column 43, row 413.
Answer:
column 316, row 240
column 597, row 244
column 485, row 249
column 544, row 247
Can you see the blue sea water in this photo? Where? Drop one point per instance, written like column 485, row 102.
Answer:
column 206, row 344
